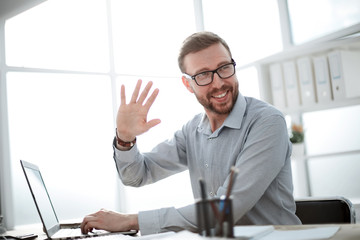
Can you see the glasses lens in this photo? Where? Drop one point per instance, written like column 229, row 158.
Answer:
column 206, row 78
column 226, row 71
column 203, row 78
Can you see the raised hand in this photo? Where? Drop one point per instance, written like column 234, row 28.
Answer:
column 131, row 118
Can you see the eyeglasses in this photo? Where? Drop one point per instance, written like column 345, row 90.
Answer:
column 207, row 77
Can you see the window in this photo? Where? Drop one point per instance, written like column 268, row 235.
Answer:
column 322, row 17
column 251, row 28
column 147, row 39
column 63, row 123
column 60, row 35
column 332, row 131
column 333, row 142
column 64, row 67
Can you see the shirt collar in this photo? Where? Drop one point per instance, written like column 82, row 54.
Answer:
column 236, row 116
column 234, row 119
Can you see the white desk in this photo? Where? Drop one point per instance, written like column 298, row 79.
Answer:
column 346, row 231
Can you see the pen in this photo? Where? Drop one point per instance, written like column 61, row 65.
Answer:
column 224, row 202
column 204, row 207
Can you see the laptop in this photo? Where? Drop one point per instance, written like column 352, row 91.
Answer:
column 51, row 225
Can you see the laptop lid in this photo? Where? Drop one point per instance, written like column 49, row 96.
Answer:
column 41, row 198
column 46, row 209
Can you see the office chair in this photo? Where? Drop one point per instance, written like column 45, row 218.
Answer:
column 325, row 210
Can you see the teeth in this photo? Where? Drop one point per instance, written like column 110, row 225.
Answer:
column 220, row 96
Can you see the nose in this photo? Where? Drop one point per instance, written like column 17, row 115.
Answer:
column 217, row 81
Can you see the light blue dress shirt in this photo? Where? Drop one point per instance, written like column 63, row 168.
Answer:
column 254, row 138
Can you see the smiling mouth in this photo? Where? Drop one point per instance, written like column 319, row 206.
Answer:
column 221, row 95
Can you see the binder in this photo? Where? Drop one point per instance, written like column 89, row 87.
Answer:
column 291, row 84
column 350, row 62
column 336, row 75
column 345, row 73
column 322, row 79
column 306, row 81
column 277, row 85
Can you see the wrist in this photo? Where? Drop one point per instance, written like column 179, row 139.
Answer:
column 134, row 222
column 125, row 143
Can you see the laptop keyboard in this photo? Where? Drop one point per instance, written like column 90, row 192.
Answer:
column 75, row 233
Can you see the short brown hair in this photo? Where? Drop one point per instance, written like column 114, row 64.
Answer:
column 197, row 42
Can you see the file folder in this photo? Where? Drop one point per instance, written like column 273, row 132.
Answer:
column 336, row 75
column 306, row 80
column 277, row 85
column 291, row 84
column 348, row 71
column 322, row 79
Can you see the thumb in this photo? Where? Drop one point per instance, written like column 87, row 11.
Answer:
column 153, row 123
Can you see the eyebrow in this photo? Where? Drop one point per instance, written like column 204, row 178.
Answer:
column 219, row 65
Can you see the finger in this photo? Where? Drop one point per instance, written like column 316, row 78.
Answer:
column 94, row 223
column 88, row 228
column 151, row 99
column 136, row 91
column 122, row 95
column 83, row 226
column 85, row 222
column 145, row 92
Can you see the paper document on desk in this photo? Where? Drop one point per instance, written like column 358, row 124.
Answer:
column 240, row 232
column 252, row 232
column 302, row 234
column 183, row 235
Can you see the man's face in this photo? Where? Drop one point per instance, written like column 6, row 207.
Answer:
column 220, row 96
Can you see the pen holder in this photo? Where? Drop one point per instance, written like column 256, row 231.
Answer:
column 214, row 217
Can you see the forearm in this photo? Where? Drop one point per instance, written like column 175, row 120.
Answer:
column 168, row 219
column 130, row 169
column 136, row 169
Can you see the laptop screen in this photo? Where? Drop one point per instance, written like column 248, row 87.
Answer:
column 40, row 195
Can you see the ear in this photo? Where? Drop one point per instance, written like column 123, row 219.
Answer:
column 187, row 84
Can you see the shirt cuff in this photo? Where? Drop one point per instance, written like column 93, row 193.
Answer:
column 126, row 156
column 149, row 222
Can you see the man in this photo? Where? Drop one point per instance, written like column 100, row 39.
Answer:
column 234, row 131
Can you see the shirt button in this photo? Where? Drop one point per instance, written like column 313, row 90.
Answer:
column 206, row 165
column 211, row 194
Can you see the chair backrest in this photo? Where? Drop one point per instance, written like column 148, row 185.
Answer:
column 325, row 210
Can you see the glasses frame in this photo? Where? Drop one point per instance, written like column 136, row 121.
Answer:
column 193, row 77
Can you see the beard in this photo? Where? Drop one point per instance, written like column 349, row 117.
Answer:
column 222, row 108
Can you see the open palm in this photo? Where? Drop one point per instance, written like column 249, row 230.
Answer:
column 131, row 118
